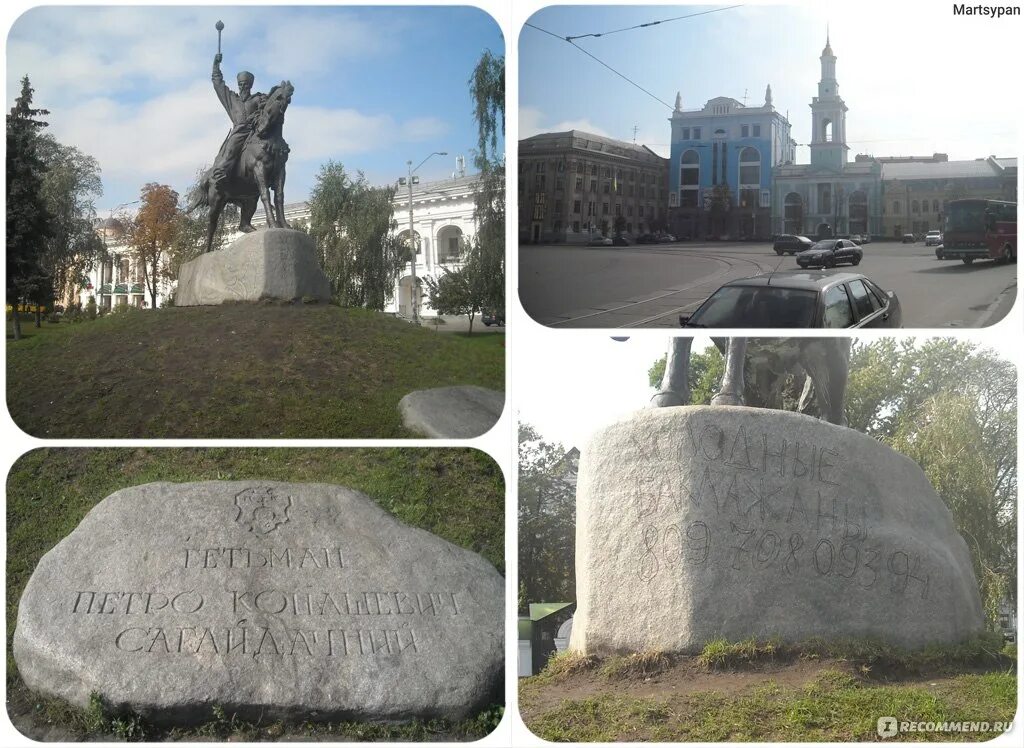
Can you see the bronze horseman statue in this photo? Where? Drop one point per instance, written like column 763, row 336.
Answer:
column 251, row 161
column 756, row 370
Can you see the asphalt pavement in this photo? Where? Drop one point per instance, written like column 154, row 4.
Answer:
column 651, row 285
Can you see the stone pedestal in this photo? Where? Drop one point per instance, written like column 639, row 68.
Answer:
column 275, row 264
column 701, row 522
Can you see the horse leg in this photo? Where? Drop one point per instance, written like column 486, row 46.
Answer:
column 732, row 381
column 260, row 174
column 279, row 197
column 675, row 387
column 217, row 203
column 826, row 368
column 247, row 208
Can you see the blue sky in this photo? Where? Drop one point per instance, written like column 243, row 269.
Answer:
column 374, row 86
column 916, row 79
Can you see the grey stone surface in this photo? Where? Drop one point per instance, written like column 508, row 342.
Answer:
column 701, row 522
column 270, row 264
column 272, row 600
column 452, row 412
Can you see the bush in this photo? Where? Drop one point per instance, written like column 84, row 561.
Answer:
column 90, row 309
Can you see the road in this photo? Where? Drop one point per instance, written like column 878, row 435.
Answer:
column 651, row 285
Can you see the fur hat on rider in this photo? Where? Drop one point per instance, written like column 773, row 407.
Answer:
column 245, row 75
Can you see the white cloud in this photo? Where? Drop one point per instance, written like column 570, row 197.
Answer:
column 313, row 44
column 319, row 133
column 531, row 122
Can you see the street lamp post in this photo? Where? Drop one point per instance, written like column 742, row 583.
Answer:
column 415, row 284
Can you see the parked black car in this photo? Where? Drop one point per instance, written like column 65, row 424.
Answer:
column 798, row 299
column 493, row 318
column 791, row 243
column 621, row 241
column 830, row 253
column 646, row 239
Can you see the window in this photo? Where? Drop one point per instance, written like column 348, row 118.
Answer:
column 696, row 133
column 558, row 207
column 607, row 172
column 607, row 187
column 576, row 227
column 686, row 133
column 745, row 131
column 559, row 184
column 629, row 211
column 630, row 191
column 750, row 168
column 593, row 170
column 824, row 198
column 618, row 209
column 861, row 299
column 538, row 183
column 689, row 178
column 593, row 185
column 540, row 167
column 757, row 131
column 604, row 209
column 575, row 206
column 579, row 184
column 590, row 208
column 914, row 207
column 640, row 211
column 838, row 312
column 935, row 206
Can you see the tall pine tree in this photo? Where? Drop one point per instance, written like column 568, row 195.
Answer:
column 28, row 221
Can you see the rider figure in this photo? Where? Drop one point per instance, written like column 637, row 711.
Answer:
column 243, row 108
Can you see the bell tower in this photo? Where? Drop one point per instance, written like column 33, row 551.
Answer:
column 828, row 117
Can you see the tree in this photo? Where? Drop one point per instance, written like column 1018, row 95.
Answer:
column 28, row 220
column 487, row 90
column 70, row 186
column 547, row 519
column 353, row 226
column 467, row 291
column 152, row 232
column 189, row 236
column 704, row 375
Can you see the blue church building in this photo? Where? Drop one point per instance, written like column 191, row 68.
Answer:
column 721, row 167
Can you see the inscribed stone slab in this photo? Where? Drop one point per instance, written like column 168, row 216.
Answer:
column 699, row 522
column 280, row 600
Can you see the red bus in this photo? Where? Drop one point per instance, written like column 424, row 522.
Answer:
column 978, row 229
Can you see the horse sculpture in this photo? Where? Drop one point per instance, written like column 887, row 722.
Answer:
column 261, row 168
column 824, row 361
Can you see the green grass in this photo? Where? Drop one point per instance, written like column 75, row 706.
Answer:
column 834, row 707
column 983, row 650
column 237, row 370
column 457, row 494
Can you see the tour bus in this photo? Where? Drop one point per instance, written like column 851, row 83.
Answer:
column 980, row 229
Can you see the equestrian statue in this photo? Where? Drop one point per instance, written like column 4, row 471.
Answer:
column 251, row 161
column 757, row 371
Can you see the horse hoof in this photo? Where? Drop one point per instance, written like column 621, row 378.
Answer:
column 667, row 399
column 247, row 228
column 726, row 399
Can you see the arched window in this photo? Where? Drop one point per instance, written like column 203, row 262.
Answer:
column 689, row 179
column 750, row 168
column 826, row 131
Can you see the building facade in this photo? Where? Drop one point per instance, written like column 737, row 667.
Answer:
column 443, row 224
column 721, row 165
column 574, row 184
column 917, row 189
column 830, row 196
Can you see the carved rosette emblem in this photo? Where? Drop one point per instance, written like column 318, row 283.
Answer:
column 261, row 509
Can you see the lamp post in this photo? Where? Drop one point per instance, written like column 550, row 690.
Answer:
column 415, row 284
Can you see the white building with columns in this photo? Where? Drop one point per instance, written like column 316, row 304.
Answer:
column 442, row 223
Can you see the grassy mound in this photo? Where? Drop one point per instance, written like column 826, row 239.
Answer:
column 767, row 690
column 458, row 494
column 242, row 371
